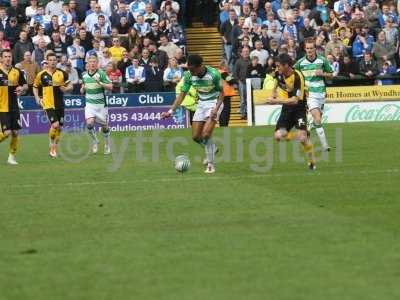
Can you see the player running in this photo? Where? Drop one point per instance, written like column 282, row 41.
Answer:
column 315, row 69
column 207, row 81
column 12, row 85
column 54, row 83
column 95, row 82
column 289, row 91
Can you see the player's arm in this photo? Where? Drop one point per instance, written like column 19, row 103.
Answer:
column 105, row 82
column 82, row 90
column 218, row 85
column 177, row 102
column 179, row 98
column 326, row 71
column 36, row 84
column 67, row 87
column 22, row 85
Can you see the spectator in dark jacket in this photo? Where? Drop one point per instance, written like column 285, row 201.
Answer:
column 154, row 77
column 226, row 32
column 21, row 47
column 240, row 73
column 368, row 67
column 162, row 57
column 347, row 68
column 12, row 30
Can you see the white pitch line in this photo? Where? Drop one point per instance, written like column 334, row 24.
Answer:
column 180, row 178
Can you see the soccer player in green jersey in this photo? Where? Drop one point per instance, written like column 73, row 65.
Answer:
column 95, row 82
column 207, row 81
column 315, row 69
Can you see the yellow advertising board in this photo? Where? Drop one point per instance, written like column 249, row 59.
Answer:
column 370, row 93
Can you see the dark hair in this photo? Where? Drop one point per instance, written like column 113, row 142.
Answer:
column 284, row 59
column 5, row 51
column 50, row 54
column 194, row 60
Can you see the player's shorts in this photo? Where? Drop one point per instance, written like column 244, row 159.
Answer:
column 315, row 102
column 55, row 115
column 204, row 109
column 97, row 111
column 10, row 120
column 292, row 117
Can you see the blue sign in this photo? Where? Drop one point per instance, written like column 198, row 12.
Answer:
column 113, row 100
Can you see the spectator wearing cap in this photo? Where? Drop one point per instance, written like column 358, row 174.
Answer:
column 383, row 51
column 167, row 46
column 175, row 32
column 149, row 15
column 137, row 7
column 122, row 11
column 93, row 18
column 154, row 77
column 54, row 7
column 385, row 15
column 141, row 27
column 135, row 76
column 368, row 67
column 116, row 50
column 253, row 22
column 21, row 46
column 30, row 68
column 105, row 28
column 261, row 53
column 226, row 34
column 271, row 20
column 31, row 10
column 362, row 43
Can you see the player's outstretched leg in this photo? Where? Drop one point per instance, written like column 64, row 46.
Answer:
column 92, row 134
column 317, row 123
column 308, row 148
column 13, row 148
column 107, row 141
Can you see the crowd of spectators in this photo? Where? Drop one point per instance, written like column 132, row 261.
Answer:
column 139, row 43
column 360, row 38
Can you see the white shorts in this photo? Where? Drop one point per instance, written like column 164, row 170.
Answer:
column 313, row 102
column 97, row 111
column 204, row 109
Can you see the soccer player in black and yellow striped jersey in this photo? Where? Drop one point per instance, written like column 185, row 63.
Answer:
column 12, row 85
column 290, row 92
column 54, row 83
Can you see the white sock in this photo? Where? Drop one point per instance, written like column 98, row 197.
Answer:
column 92, row 133
column 106, row 135
column 321, row 134
column 209, row 148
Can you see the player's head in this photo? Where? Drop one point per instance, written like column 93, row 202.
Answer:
column 195, row 64
column 51, row 60
column 284, row 63
column 6, row 57
column 92, row 63
column 309, row 46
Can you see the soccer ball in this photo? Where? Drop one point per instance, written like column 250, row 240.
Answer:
column 182, row 163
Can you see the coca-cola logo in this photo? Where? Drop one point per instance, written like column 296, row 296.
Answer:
column 388, row 112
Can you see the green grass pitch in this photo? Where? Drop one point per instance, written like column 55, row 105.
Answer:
column 96, row 227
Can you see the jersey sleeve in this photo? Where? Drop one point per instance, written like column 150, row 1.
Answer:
column 327, row 68
column 187, row 82
column 217, row 81
column 298, row 86
column 38, row 80
column 104, row 78
column 66, row 77
column 22, row 78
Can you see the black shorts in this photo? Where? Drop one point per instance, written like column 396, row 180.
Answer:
column 10, row 120
column 292, row 117
column 55, row 115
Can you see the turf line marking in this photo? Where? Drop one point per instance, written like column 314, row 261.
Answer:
column 180, row 178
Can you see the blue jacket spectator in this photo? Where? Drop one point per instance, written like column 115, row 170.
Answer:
column 362, row 43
